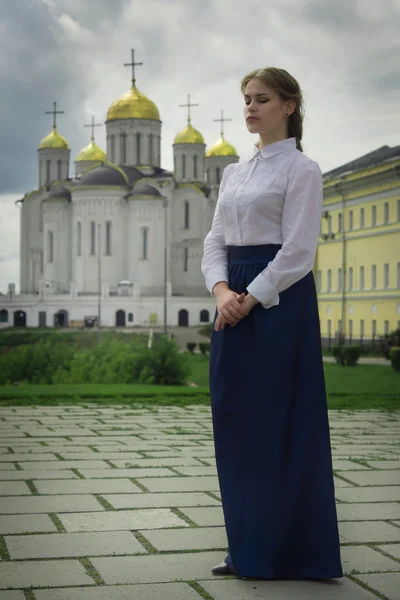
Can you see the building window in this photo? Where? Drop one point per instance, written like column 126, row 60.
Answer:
column 386, row 213
column 150, row 149
column 340, row 222
column 50, row 248
column 208, row 180
column 92, row 237
column 3, row 315
column 204, row 316
column 218, row 175
column 350, row 278
column 373, row 276
column 79, row 238
column 374, row 327
column 175, row 165
column 145, row 243
column 48, row 164
column 186, row 226
column 330, row 225
column 195, row 167
column 351, row 220
column 184, row 166
column 362, row 218
column 108, row 238
column 386, row 327
column 112, row 148
column 373, row 216
column 186, row 259
column 319, row 280
column 329, row 287
column 398, row 275
column 41, row 262
column 59, row 173
column 122, row 150
column 386, row 276
column 362, row 278
column 362, row 327
column 339, row 282
column 130, row 318
column 138, row 149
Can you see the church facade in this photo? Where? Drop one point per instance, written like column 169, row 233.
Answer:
column 123, row 237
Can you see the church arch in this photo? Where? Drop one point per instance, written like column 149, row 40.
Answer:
column 19, row 318
column 130, row 318
column 3, row 315
column 61, row 318
column 204, row 316
column 183, row 318
column 120, row 318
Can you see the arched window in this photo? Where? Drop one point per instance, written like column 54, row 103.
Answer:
column 3, row 316
column 329, row 286
column 374, row 215
column 204, row 316
column 186, row 225
column 218, row 175
column 59, row 172
column 195, row 166
column 50, row 248
column 79, row 238
column 130, row 318
column 145, row 242
column 92, row 237
column 138, row 149
column 175, row 165
column 122, row 138
column 112, row 148
column 183, row 166
column 150, row 149
column 108, row 238
column 186, row 259
column 48, row 164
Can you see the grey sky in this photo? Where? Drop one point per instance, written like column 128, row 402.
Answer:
column 344, row 54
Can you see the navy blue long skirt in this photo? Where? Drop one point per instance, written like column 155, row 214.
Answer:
column 271, row 432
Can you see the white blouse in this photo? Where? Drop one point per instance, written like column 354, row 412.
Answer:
column 275, row 197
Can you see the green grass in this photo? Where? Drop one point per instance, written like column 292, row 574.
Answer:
column 360, row 387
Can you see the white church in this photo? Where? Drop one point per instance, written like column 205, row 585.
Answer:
column 121, row 240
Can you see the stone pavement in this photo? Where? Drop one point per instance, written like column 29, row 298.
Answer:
column 122, row 503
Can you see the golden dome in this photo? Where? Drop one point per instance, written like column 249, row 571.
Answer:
column 133, row 105
column 91, row 152
column 54, row 140
column 221, row 148
column 189, row 135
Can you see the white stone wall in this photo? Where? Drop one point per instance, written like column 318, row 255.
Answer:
column 130, row 127
column 57, row 222
column 217, row 162
column 189, row 151
column 31, row 242
column 82, row 165
column 53, row 155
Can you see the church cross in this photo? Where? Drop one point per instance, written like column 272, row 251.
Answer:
column 93, row 125
column 188, row 106
column 222, row 120
column 54, row 112
column 133, row 64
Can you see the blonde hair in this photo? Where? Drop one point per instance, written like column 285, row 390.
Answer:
column 287, row 88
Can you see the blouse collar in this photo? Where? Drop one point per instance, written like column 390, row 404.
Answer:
column 275, row 148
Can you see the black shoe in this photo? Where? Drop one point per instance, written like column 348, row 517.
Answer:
column 222, row 569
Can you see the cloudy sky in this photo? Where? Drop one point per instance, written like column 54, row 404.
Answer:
column 344, row 53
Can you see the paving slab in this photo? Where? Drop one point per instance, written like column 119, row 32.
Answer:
column 49, row 504
column 373, row 478
column 37, row 573
column 371, row 531
column 122, row 520
column 199, row 471
column 26, row 524
column 385, row 583
column 206, row 516
column 347, row 465
column 120, row 473
column 181, row 484
column 158, row 591
column 384, row 464
column 193, row 538
column 18, row 457
column 86, row 486
column 368, row 511
column 161, row 500
column 36, row 474
column 14, row 488
column 12, row 595
column 64, row 545
column 121, row 462
column 362, row 559
column 393, row 549
column 369, row 494
column 341, row 589
column 65, row 464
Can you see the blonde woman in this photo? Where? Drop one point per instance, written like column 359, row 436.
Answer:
column 267, row 385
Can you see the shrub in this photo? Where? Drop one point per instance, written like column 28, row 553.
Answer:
column 351, row 355
column 191, row 346
column 395, row 358
column 204, row 348
column 389, row 341
column 163, row 364
column 338, row 354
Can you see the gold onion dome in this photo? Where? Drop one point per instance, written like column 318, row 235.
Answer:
column 133, row 105
column 189, row 135
column 54, row 140
column 221, row 148
column 91, row 152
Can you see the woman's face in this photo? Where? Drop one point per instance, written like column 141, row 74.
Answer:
column 264, row 111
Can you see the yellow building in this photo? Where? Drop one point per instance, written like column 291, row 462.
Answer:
column 357, row 267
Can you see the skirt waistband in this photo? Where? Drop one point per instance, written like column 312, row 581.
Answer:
column 252, row 254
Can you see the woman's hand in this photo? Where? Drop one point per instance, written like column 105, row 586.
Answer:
column 232, row 307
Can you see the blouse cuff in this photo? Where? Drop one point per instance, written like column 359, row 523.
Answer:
column 263, row 291
column 216, row 275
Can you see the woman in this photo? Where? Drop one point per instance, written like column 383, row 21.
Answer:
column 267, row 383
